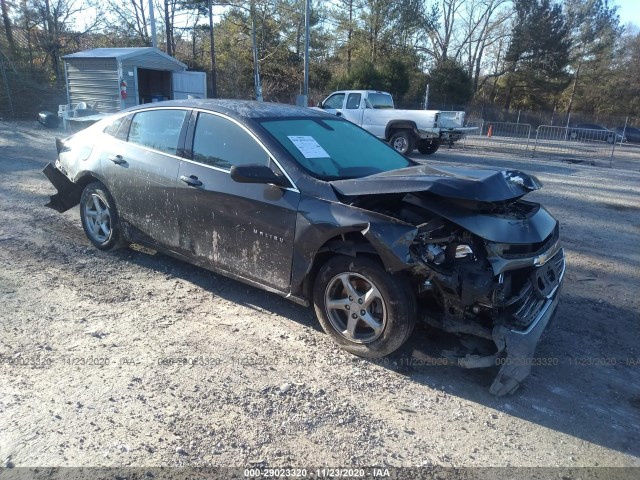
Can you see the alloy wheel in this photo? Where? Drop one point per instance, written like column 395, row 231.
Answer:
column 355, row 307
column 97, row 218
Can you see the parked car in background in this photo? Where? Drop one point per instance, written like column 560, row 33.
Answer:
column 631, row 134
column 312, row 207
column 592, row 132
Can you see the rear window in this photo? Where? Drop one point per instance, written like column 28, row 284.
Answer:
column 380, row 100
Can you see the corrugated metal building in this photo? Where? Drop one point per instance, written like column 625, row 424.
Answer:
column 98, row 76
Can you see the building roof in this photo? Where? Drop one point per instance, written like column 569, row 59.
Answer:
column 122, row 53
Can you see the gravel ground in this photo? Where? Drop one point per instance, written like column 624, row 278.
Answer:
column 135, row 359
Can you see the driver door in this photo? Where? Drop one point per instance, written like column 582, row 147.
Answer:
column 333, row 104
column 241, row 228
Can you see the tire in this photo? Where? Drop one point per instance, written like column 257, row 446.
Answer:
column 611, row 139
column 99, row 217
column 391, row 306
column 402, row 141
column 428, row 147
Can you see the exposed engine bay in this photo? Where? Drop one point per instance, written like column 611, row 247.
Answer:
column 499, row 293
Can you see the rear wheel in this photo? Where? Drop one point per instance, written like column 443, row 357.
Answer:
column 367, row 311
column 428, row 147
column 99, row 217
column 402, row 141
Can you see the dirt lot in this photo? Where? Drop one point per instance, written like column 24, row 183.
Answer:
column 127, row 358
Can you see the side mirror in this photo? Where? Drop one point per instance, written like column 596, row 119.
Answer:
column 320, row 105
column 255, row 173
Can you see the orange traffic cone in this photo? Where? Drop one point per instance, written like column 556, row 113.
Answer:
column 490, row 131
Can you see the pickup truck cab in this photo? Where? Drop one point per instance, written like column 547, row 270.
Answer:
column 403, row 129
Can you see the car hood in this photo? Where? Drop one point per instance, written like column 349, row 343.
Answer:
column 481, row 185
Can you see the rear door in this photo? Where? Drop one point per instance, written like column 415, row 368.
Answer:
column 142, row 173
column 354, row 108
column 241, row 228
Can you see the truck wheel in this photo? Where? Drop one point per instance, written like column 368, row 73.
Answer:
column 427, row 147
column 402, row 141
column 366, row 310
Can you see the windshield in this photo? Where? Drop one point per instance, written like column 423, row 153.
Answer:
column 334, row 149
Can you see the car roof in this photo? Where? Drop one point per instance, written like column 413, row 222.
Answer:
column 242, row 109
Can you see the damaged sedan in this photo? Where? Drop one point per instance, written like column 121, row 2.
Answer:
column 312, row 207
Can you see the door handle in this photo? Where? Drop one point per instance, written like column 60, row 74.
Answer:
column 191, row 180
column 117, row 159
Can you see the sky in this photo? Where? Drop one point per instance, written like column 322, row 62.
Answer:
column 629, row 11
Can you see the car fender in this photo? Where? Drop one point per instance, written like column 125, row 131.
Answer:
column 320, row 221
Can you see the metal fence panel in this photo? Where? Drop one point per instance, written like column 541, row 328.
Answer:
column 499, row 136
column 573, row 142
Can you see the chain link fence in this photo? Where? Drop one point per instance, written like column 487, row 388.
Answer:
column 25, row 89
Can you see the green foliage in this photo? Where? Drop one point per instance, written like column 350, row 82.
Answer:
column 521, row 54
column 393, row 76
column 538, row 55
column 449, row 82
column 595, row 28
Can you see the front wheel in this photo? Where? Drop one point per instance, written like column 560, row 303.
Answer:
column 100, row 217
column 428, row 147
column 402, row 141
column 367, row 311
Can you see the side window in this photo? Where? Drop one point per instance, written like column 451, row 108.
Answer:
column 112, row 128
column 157, row 129
column 353, row 101
column 221, row 143
column 334, row 101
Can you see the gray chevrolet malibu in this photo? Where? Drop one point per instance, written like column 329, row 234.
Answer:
column 313, row 208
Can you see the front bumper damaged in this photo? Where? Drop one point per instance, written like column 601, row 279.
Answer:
column 516, row 346
column 520, row 347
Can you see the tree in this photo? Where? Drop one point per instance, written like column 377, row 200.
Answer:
column 450, row 83
column 8, row 28
column 54, row 22
column 441, row 34
column 594, row 28
column 483, row 22
column 538, row 54
column 129, row 20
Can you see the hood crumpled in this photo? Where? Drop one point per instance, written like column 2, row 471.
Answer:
column 481, row 185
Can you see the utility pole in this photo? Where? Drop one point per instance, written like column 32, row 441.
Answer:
column 256, row 68
column 214, row 87
column 426, row 98
column 152, row 20
column 305, row 88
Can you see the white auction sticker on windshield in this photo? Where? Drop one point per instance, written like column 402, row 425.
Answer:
column 308, row 146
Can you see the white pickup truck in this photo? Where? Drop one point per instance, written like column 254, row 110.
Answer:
column 403, row 129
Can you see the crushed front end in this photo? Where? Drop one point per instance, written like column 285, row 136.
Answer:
column 497, row 296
